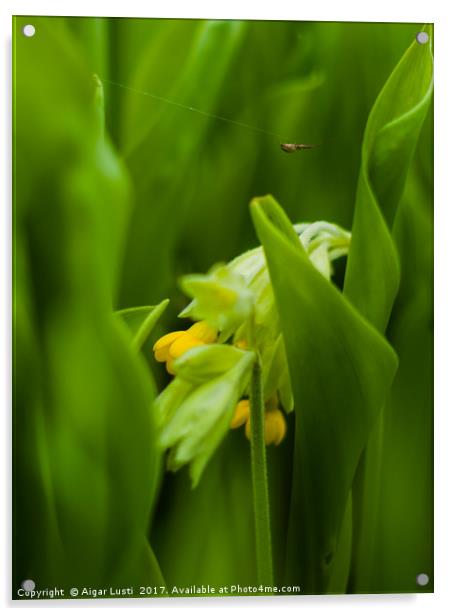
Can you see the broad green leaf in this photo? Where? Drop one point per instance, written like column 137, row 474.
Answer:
column 404, row 540
column 142, row 320
column 341, row 370
column 372, row 275
column 340, row 567
column 402, row 535
column 85, row 455
column 93, row 37
column 276, row 216
column 161, row 196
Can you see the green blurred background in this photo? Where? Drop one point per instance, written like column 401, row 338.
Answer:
column 110, row 221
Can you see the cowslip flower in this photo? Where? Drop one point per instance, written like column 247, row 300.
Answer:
column 173, row 345
column 236, row 322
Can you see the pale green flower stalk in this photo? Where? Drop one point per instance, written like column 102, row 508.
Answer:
column 230, row 368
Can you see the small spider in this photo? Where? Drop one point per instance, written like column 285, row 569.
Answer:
column 293, row 147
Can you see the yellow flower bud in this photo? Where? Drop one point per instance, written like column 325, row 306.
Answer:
column 203, row 331
column 182, row 344
column 275, row 427
column 161, row 347
column 241, row 414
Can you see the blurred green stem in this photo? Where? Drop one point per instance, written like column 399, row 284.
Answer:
column 259, row 476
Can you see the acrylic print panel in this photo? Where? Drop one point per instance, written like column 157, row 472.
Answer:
column 222, row 334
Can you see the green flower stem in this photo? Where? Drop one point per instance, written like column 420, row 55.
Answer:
column 259, row 476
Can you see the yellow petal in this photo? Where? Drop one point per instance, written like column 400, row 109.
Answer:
column 162, row 354
column 169, row 367
column 167, row 340
column 242, row 412
column 203, row 331
column 275, row 427
column 183, row 344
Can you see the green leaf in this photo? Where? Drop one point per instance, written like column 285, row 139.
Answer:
column 341, row 370
column 269, row 206
column 142, row 320
column 178, row 135
column 404, row 539
column 394, row 125
column 372, row 281
column 372, row 276
column 85, row 455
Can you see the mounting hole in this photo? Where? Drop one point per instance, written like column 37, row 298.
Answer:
column 29, row 30
column 422, row 38
column 28, row 585
column 422, row 579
